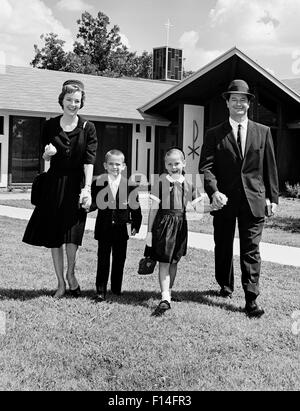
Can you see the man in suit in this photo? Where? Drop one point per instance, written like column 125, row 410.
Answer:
column 240, row 176
column 118, row 211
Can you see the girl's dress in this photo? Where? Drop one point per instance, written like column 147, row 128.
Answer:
column 169, row 230
column 59, row 219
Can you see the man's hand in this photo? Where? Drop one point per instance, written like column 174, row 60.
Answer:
column 219, row 200
column 273, row 208
column 198, row 204
column 270, row 208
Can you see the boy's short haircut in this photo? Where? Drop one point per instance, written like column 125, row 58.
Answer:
column 114, row 152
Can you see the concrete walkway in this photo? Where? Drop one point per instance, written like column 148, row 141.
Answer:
column 269, row 252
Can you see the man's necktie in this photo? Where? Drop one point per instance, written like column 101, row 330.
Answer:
column 239, row 142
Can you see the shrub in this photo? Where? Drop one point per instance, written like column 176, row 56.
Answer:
column 292, row 190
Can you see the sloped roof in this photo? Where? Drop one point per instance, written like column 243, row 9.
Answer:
column 31, row 89
column 177, row 91
column 293, row 83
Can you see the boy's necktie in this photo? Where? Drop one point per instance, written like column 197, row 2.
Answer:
column 114, row 189
column 239, row 142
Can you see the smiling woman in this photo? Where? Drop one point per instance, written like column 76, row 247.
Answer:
column 59, row 218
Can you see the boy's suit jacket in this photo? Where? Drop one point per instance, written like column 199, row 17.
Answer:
column 118, row 211
column 225, row 170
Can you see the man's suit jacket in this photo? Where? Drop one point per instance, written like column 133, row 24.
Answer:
column 226, row 171
column 119, row 211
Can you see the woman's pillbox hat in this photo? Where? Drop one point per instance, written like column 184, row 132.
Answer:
column 76, row 83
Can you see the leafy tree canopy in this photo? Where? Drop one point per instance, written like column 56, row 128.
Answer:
column 98, row 50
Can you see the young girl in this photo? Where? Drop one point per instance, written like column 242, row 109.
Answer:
column 167, row 224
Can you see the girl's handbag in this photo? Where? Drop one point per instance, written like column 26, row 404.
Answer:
column 146, row 264
column 37, row 188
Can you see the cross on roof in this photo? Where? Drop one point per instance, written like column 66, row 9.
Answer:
column 168, row 26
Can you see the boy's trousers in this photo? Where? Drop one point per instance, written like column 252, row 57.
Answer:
column 116, row 247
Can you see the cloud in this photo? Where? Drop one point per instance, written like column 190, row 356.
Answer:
column 195, row 57
column 261, row 25
column 266, row 29
column 22, row 23
column 6, row 11
column 74, row 5
column 125, row 40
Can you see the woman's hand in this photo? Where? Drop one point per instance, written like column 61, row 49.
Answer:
column 49, row 151
column 85, row 198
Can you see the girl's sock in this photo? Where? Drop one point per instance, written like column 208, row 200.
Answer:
column 165, row 295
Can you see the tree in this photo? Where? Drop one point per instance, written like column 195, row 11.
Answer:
column 121, row 62
column 144, row 63
column 97, row 51
column 96, row 40
column 80, row 64
column 187, row 73
column 52, row 56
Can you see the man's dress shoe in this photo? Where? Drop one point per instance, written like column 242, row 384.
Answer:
column 253, row 310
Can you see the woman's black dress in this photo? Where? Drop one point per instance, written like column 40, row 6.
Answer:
column 59, row 219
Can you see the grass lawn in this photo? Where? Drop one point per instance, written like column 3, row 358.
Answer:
column 283, row 229
column 202, row 343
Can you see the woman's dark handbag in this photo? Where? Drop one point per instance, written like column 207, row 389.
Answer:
column 146, row 264
column 37, row 188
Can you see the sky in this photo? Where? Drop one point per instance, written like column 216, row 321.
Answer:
column 266, row 30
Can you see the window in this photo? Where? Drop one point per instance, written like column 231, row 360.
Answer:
column 1, row 125
column 25, row 148
column 137, row 128
column 148, row 134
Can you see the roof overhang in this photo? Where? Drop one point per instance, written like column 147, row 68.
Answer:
column 142, row 118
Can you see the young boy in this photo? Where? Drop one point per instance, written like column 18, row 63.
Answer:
column 118, row 211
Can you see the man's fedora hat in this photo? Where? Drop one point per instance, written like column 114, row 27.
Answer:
column 237, row 87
